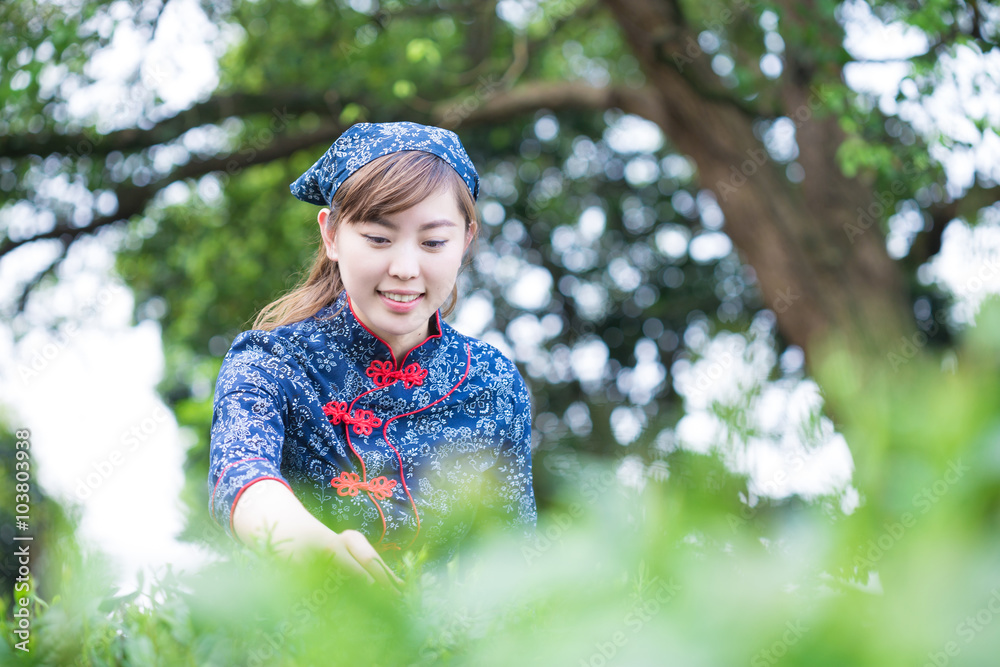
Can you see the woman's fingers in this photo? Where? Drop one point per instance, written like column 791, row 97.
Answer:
column 364, row 554
column 342, row 554
column 395, row 578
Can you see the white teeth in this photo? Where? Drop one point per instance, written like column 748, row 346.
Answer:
column 401, row 298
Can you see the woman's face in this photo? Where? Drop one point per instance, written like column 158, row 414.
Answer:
column 400, row 269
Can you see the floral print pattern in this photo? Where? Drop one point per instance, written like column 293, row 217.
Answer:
column 364, row 142
column 393, row 450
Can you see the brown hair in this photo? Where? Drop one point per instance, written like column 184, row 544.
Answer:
column 384, row 186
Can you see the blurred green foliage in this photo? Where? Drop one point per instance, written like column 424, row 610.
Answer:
column 682, row 565
column 675, row 570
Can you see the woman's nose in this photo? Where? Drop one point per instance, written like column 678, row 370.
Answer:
column 405, row 264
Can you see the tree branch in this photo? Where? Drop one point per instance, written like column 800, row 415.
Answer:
column 40, row 276
column 132, row 200
column 927, row 243
column 281, row 104
column 556, row 96
column 679, row 48
column 435, row 10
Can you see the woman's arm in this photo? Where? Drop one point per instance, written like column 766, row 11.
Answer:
column 269, row 510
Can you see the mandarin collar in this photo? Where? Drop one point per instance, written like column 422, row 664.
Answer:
column 362, row 346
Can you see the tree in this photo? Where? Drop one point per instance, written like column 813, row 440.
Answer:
column 537, row 94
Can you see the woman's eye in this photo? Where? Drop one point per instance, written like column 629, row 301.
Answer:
column 376, row 240
column 435, row 245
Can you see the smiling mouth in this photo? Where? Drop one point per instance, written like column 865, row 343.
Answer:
column 400, row 298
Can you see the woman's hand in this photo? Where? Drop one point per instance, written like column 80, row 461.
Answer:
column 269, row 512
column 355, row 553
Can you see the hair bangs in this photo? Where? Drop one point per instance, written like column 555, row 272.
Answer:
column 386, row 185
column 396, row 182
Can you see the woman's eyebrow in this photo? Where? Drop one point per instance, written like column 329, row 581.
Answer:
column 431, row 224
column 434, row 224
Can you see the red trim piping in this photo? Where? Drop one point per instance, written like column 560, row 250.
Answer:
column 385, row 436
column 350, row 410
column 211, row 504
column 364, row 472
column 437, row 321
column 437, row 315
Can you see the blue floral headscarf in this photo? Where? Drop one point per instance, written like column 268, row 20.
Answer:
column 364, row 142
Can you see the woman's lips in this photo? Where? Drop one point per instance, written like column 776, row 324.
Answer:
column 400, row 302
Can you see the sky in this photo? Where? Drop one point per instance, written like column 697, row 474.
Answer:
column 106, row 446
column 104, row 443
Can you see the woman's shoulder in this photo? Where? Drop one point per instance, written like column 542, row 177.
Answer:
column 488, row 361
column 283, row 341
column 271, row 341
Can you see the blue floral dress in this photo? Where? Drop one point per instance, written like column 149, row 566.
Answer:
column 399, row 451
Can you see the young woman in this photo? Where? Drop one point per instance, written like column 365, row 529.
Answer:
column 352, row 418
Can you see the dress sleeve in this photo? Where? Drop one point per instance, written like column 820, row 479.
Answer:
column 514, row 495
column 248, row 423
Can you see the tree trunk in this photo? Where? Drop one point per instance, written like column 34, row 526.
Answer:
column 821, row 265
